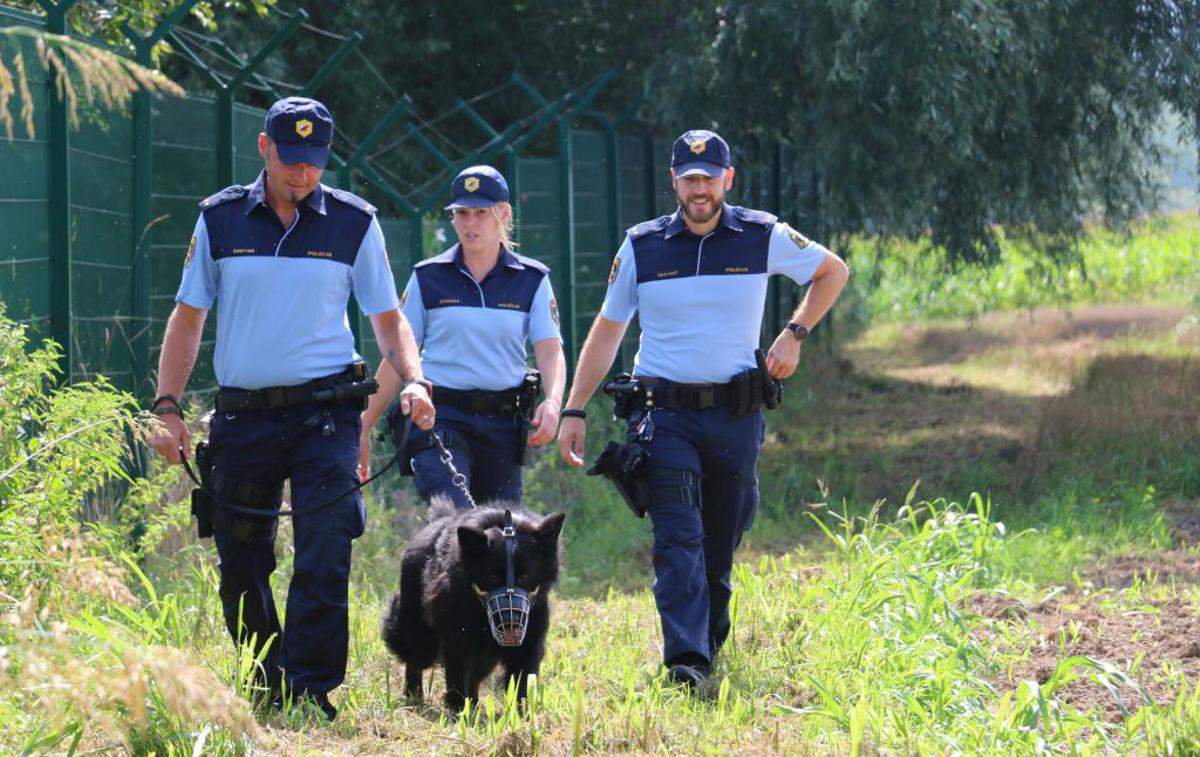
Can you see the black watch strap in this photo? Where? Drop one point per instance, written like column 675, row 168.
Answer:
column 161, row 406
column 571, row 412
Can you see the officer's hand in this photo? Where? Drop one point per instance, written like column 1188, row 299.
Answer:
column 172, row 434
column 415, row 401
column 571, row 435
column 784, row 356
column 545, row 423
column 364, row 454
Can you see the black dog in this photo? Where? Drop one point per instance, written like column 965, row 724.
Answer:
column 445, row 576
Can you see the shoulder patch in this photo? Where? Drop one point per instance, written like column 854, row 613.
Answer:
column 750, row 215
column 648, row 227
column 799, row 239
column 616, row 267
column 351, row 199
column 227, row 194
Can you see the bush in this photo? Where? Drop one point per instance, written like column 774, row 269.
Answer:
column 84, row 655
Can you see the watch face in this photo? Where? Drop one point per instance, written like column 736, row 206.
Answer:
column 798, row 331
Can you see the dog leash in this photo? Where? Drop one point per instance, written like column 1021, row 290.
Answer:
column 408, row 423
column 456, row 477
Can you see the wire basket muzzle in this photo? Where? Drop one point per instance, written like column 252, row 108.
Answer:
column 508, row 615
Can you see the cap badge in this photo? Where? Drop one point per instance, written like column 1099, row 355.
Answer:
column 471, row 183
column 698, row 146
column 304, row 127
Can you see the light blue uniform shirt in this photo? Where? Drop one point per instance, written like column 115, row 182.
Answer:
column 700, row 300
column 281, row 293
column 473, row 333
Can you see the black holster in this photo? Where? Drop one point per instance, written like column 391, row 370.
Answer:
column 621, row 463
column 527, row 396
column 625, row 395
column 772, row 388
column 202, row 501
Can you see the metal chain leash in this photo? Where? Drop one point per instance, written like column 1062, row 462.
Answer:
column 456, row 478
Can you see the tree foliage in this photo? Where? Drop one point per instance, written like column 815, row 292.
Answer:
column 899, row 117
column 955, row 115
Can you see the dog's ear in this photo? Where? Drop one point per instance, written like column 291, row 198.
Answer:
column 550, row 527
column 472, row 541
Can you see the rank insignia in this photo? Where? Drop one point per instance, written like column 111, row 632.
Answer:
column 800, row 240
column 471, row 183
column 191, row 251
column 554, row 309
column 698, row 146
column 304, row 127
column 612, row 275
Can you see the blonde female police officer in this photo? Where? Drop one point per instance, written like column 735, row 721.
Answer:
column 472, row 309
column 280, row 257
column 698, row 279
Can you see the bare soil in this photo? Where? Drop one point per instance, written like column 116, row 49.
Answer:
column 1159, row 636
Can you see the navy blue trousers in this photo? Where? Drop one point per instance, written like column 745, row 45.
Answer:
column 265, row 447
column 694, row 542
column 483, row 447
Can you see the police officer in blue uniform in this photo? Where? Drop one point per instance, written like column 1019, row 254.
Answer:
column 281, row 257
column 698, row 281
column 473, row 308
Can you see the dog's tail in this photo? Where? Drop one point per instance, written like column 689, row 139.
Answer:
column 392, row 632
column 441, row 506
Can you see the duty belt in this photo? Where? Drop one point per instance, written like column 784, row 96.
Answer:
column 669, row 394
column 478, row 400
column 334, row 388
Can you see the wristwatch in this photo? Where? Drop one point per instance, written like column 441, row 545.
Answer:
column 422, row 382
column 160, row 406
column 799, row 332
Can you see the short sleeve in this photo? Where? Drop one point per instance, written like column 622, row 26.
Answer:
column 414, row 308
column 793, row 255
column 374, row 285
column 543, row 314
column 198, row 287
column 620, row 302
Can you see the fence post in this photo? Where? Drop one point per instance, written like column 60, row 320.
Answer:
column 143, row 181
column 566, row 219
column 776, row 315
column 59, row 195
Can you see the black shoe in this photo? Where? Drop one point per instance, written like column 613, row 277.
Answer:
column 689, row 677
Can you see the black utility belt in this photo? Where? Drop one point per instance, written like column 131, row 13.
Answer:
column 480, row 401
column 746, row 393
column 669, row 394
column 350, row 385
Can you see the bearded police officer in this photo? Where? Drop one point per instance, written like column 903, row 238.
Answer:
column 281, row 257
column 698, row 280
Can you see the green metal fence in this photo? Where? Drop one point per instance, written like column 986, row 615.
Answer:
column 94, row 222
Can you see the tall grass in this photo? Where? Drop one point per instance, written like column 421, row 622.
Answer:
column 1156, row 260
column 91, row 654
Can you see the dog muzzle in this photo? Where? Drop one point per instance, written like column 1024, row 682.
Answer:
column 508, row 606
column 508, row 614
